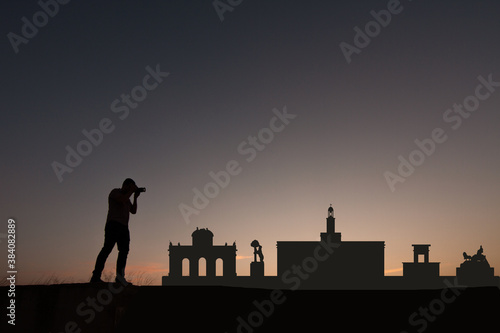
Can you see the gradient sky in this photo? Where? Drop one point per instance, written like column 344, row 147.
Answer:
column 352, row 122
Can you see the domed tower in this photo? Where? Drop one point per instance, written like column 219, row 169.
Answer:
column 330, row 228
column 202, row 238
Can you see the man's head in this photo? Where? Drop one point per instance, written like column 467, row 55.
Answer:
column 129, row 185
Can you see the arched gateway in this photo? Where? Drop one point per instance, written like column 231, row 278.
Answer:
column 202, row 248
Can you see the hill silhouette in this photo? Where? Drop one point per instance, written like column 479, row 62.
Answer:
column 96, row 308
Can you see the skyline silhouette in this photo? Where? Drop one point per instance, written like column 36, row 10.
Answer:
column 329, row 263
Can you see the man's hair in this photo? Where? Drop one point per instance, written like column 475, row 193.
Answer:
column 127, row 182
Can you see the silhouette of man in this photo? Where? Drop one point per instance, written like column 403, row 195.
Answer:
column 116, row 229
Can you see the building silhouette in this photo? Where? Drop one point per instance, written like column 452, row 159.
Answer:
column 421, row 269
column 351, row 263
column 202, row 248
column 421, row 272
column 328, row 263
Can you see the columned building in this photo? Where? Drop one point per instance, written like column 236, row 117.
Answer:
column 202, row 248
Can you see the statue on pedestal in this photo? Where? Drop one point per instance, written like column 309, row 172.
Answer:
column 257, row 250
column 257, row 267
column 475, row 270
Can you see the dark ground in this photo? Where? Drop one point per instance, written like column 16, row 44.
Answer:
column 111, row 308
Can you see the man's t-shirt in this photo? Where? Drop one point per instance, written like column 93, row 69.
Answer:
column 119, row 207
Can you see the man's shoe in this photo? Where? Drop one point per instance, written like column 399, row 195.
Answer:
column 96, row 280
column 121, row 279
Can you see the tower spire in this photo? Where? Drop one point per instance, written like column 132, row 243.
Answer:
column 330, row 211
column 330, row 228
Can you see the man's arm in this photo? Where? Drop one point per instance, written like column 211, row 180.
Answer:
column 133, row 208
column 118, row 196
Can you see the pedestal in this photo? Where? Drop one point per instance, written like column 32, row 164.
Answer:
column 257, row 269
column 476, row 274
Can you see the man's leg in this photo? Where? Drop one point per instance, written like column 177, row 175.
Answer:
column 123, row 243
column 109, row 243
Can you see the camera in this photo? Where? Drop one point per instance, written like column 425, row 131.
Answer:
column 141, row 189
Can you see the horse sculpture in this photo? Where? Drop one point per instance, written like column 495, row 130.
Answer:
column 478, row 257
